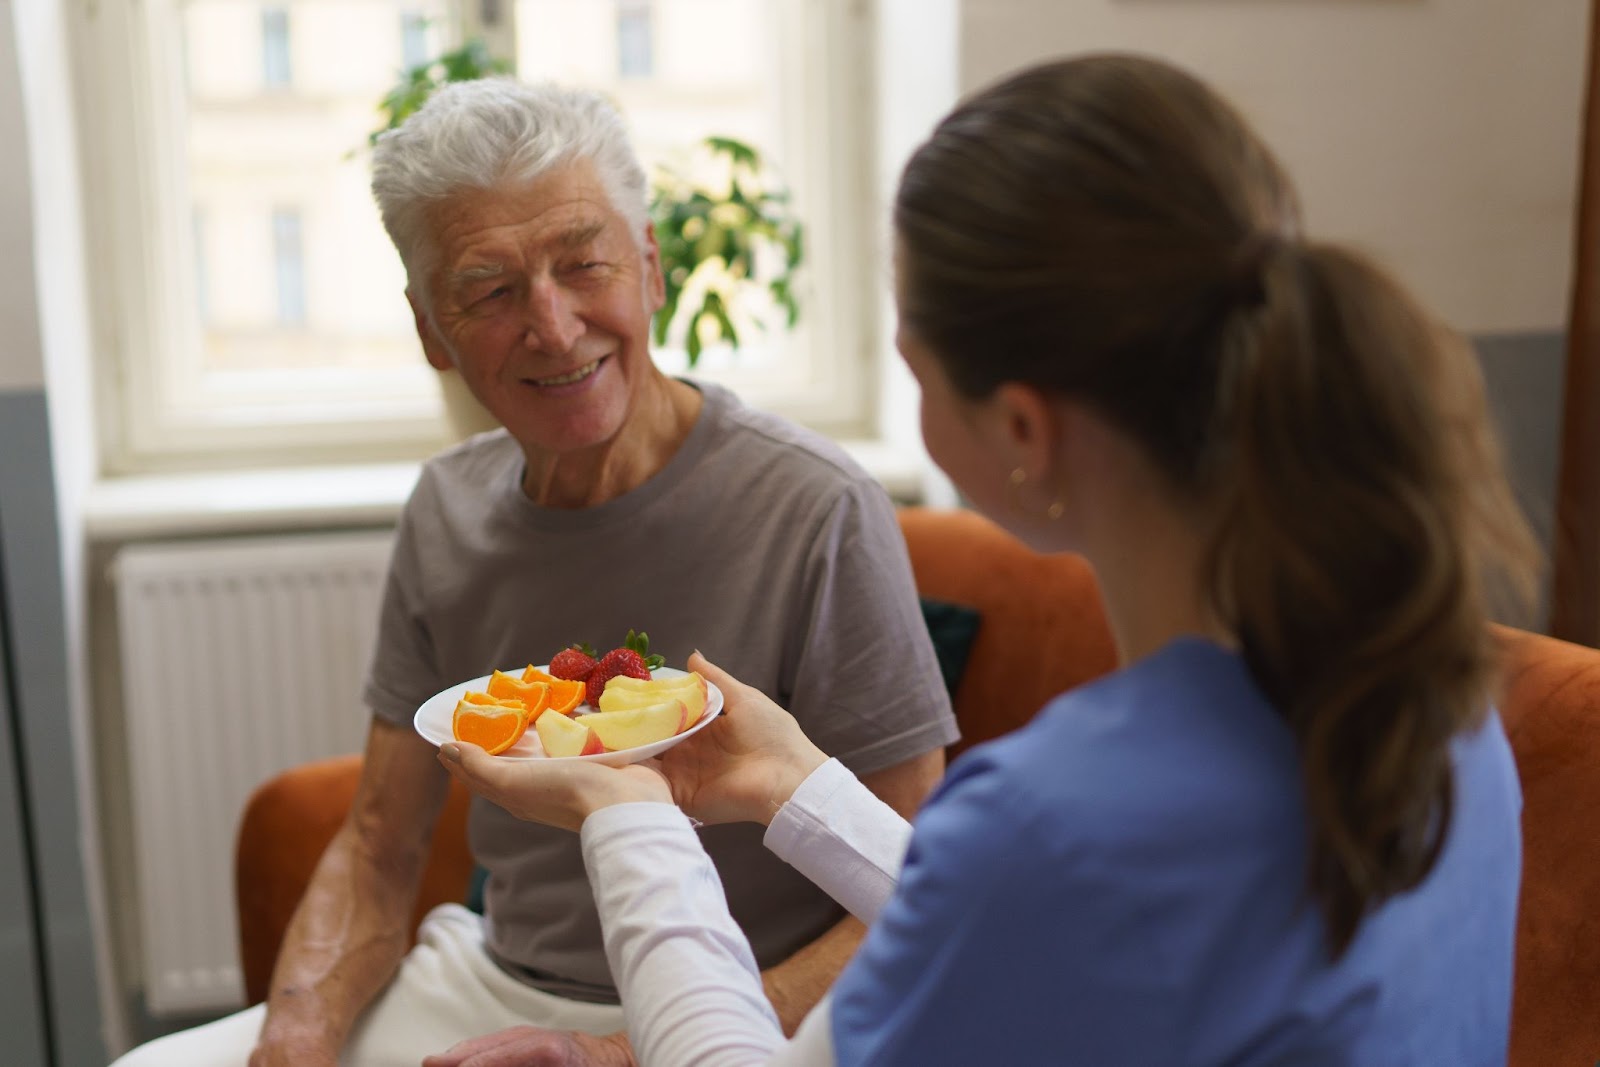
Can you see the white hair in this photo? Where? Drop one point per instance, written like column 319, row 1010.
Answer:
column 483, row 133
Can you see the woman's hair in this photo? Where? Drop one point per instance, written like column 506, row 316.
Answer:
column 1108, row 229
column 493, row 131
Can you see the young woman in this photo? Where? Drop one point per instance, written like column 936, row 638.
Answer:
column 1285, row 831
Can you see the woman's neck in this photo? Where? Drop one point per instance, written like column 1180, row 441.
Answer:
column 1148, row 548
column 1154, row 591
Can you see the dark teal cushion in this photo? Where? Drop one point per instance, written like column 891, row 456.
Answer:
column 952, row 627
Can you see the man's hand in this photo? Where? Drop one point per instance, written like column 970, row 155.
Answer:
column 743, row 766
column 534, row 1046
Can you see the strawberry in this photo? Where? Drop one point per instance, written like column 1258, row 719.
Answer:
column 632, row 659
column 573, row 663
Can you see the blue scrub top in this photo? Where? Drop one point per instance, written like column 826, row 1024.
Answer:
column 1123, row 881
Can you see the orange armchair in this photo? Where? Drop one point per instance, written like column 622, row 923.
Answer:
column 1042, row 631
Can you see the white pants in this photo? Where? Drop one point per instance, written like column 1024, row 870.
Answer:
column 446, row 990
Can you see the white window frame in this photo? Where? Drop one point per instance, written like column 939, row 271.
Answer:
column 129, row 93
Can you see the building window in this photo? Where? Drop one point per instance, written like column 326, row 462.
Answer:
column 636, row 45
column 275, row 70
column 202, row 294
column 289, row 266
column 414, row 46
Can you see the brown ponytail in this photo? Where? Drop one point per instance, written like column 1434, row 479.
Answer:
column 1365, row 512
column 1107, row 228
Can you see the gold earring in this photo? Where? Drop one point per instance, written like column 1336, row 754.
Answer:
column 1018, row 477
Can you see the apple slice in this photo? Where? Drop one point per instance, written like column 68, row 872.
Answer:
column 563, row 736
column 623, row 692
column 632, row 727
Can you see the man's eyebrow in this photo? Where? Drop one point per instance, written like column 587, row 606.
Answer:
column 581, row 235
column 467, row 275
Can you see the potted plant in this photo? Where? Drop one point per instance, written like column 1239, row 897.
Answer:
column 730, row 240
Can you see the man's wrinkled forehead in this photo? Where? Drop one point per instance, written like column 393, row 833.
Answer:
column 570, row 238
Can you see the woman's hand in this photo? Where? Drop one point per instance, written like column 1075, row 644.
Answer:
column 559, row 793
column 744, row 765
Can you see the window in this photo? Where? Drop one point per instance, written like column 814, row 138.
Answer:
column 416, row 47
column 202, row 298
column 635, row 39
column 275, row 48
column 289, row 267
column 249, row 287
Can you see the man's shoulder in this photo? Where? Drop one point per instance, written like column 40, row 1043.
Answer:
column 755, row 440
column 480, row 464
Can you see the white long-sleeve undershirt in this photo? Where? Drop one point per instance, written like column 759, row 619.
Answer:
column 689, row 983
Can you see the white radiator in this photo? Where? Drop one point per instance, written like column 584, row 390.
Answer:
column 239, row 658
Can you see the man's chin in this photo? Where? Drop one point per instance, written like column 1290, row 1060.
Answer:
column 576, row 432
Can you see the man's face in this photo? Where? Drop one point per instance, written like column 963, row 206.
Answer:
column 540, row 295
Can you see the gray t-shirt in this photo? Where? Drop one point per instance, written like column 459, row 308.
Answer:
column 760, row 544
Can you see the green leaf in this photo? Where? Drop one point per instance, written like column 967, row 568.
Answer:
column 691, row 343
column 719, row 312
column 737, row 151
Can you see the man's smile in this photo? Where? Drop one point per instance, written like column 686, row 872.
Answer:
column 572, row 376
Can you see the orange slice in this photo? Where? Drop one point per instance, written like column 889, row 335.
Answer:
column 492, row 725
column 565, row 696
column 489, row 701
column 536, row 695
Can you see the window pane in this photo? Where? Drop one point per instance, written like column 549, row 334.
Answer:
column 202, row 299
column 416, row 47
column 635, row 39
column 290, row 266
column 302, row 296
column 275, row 48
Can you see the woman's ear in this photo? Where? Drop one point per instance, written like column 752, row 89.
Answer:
column 1029, row 428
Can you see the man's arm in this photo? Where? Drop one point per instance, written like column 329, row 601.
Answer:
column 798, row 983
column 348, row 935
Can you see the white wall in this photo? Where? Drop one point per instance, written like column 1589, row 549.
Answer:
column 44, row 314
column 1440, row 135
column 918, row 53
column 21, row 359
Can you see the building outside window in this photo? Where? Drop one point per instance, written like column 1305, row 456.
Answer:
column 202, row 302
column 275, row 69
column 635, row 39
column 289, row 266
column 415, row 46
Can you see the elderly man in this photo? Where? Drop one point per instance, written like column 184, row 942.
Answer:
column 615, row 498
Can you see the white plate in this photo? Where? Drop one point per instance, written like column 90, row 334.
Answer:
column 433, row 722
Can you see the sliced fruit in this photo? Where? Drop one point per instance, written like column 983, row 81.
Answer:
column 485, row 698
column 535, row 695
column 565, row 696
column 625, row 692
column 563, row 736
column 633, row 727
column 493, row 727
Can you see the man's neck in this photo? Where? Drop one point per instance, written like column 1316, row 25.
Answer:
column 660, row 421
